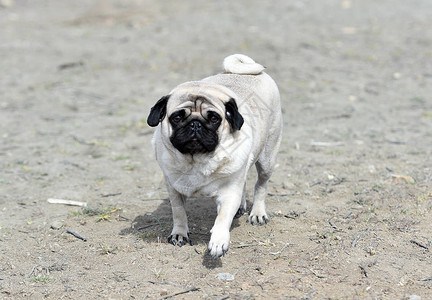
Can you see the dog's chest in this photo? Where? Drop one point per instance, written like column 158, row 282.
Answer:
column 194, row 184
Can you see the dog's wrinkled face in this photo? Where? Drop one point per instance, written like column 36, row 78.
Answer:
column 195, row 125
column 195, row 122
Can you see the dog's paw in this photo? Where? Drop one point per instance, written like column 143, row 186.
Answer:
column 219, row 243
column 240, row 212
column 259, row 219
column 179, row 240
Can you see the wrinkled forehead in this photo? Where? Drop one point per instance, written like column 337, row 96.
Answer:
column 196, row 104
column 197, row 98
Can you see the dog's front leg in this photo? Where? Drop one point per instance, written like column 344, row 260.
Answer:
column 180, row 233
column 228, row 203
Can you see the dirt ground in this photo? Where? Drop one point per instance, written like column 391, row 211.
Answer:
column 351, row 198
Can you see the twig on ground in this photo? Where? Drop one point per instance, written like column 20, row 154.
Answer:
column 81, row 141
column 70, row 65
column 244, row 245
column 76, row 234
column 363, row 270
column 280, row 251
column 419, row 244
column 347, row 214
column 339, row 181
column 67, row 202
column 309, row 294
column 165, row 282
column 407, row 179
column 316, row 182
column 396, row 142
column 332, row 224
column 191, row 289
column 259, row 284
column 280, row 195
column 31, row 272
column 147, row 226
column 354, row 243
column 124, row 218
column 316, row 274
column 294, row 214
column 264, row 281
column 110, row 195
column 426, row 279
column 223, row 297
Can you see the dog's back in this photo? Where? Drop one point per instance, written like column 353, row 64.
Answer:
column 257, row 92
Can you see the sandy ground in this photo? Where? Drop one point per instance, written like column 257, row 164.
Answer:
column 351, row 198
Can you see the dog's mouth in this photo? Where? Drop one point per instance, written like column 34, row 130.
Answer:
column 195, row 144
column 195, row 137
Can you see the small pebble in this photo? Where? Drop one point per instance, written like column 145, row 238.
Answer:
column 225, row 276
column 352, row 98
column 397, row 75
column 346, row 4
column 288, row 185
column 56, row 225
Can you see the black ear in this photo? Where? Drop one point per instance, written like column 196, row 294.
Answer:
column 233, row 116
column 158, row 112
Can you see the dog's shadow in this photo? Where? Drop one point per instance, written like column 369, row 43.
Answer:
column 156, row 226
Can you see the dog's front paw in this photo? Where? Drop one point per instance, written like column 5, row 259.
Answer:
column 258, row 218
column 219, row 243
column 179, row 240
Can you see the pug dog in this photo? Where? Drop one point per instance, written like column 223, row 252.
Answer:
column 209, row 133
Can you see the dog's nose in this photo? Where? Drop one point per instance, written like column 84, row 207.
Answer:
column 195, row 125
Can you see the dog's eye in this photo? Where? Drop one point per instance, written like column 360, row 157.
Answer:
column 214, row 119
column 176, row 119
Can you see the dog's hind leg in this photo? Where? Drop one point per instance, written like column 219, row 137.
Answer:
column 242, row 208
column 265, row 166
column 258, row 213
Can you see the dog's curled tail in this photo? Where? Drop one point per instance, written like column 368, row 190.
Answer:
column 241, row 64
